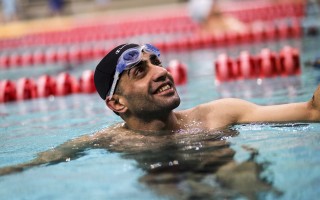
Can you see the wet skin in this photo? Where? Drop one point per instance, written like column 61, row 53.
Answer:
column 181, row 164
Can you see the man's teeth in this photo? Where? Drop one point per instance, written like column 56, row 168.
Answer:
column 164, row 88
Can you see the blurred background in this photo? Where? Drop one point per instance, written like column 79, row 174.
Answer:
column 14, row 12
column 33, row 9
column 264, row 51
column 71, row 36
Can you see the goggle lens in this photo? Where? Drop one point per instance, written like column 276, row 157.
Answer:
column 131, row 56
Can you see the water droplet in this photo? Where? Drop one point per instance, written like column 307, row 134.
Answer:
column 156, row 165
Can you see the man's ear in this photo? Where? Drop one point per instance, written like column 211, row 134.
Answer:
column 115, row 104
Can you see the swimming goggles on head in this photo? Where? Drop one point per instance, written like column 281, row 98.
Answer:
column 128, row 59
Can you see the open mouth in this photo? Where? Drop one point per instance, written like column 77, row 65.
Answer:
column 163, row 88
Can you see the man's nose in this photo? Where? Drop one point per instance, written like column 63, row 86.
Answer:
column 159, row 73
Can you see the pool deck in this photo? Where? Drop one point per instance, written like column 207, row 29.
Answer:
column 20, row 28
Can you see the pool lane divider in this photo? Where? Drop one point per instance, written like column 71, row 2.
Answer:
column 45, row 86
column 51, row 56
column 265, row 64
column 179, row 21
column 246, row 66
column 66, row 84
column 80, row 54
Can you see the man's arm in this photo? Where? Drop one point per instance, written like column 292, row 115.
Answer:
column 62, row 153
column 305, row 111
column 246, row 112
column 236, row 111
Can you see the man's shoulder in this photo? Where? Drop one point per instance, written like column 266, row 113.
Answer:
column 211, row 115
column 110, row 130
column 216, row 107
column 194, row 113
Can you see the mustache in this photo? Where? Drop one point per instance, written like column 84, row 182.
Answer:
column 166, row 78
column 170, row 78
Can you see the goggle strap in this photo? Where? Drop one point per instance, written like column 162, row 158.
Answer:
column 121, row 67
column 152, row 49
column 115, row 79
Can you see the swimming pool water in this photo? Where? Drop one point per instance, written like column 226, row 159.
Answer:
column 289, row 152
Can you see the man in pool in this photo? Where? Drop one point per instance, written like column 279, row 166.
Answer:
column 134, row 84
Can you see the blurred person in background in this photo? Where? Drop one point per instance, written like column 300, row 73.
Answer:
column 9, row 10
column 209, row 14
column 212, row 21
column 102, row 3
column 56, row 7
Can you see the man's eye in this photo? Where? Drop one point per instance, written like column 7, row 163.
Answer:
column 139, row 70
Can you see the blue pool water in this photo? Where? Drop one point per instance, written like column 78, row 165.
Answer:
column 289, row 153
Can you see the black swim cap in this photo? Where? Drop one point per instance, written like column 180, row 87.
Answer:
column 103, row 75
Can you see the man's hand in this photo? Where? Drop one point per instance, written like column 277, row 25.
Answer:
column 314, row 105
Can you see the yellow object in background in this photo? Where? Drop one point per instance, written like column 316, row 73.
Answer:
column 21, row 28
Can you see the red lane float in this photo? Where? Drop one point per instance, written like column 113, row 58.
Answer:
column 74, row 55
column 27, row 59
column 289, row 30
column 178, row 71
column 265, row 64
column 7, row 91
column 99, row 51
column 62, row 55
column 26, row 89
column 4, row 61
column 290, row 61
column 86, row 53
column 15, row 60
column 38, row 58
column 46, row 86
column 51, row 55
column 86, row 82
column 225, row 68
column 66, row 84
column 246, row 65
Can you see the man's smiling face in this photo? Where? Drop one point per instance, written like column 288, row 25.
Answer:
column 148, row 88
